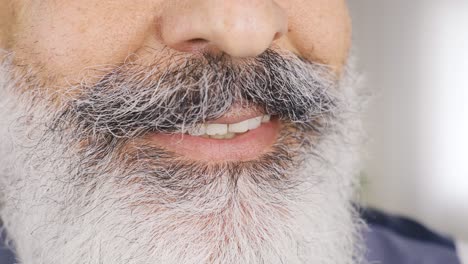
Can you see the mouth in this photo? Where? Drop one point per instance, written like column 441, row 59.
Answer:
column 240, row 135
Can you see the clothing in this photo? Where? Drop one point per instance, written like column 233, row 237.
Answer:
column 6, row 256
column 396, row 240
column 389, row 240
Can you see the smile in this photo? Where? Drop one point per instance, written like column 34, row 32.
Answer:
column 240, row 137
column 229, row 131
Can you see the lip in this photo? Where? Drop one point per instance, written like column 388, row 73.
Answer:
column 243, row 147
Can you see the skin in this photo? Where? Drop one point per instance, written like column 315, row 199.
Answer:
column 61, row 38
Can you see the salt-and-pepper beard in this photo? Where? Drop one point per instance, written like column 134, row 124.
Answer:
column 80, row 186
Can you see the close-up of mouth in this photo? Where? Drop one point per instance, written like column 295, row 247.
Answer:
column 225, row 113
column 240, row 137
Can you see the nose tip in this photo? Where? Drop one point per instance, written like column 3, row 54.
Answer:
column 240, row 28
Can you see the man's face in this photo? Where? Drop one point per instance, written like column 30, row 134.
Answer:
column 178, row 131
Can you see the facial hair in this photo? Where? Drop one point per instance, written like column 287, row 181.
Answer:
column 80, row 186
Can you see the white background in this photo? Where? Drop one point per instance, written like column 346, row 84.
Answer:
column 415, row 56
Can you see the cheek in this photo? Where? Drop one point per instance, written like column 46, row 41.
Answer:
column 65, row 39
column 321, row 31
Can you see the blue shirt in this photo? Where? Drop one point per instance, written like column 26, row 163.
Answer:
column 389, row 240
column 397, row 240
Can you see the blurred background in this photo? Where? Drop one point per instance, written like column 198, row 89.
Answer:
column 415, row 56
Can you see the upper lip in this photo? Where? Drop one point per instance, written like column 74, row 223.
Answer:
column 238, row 113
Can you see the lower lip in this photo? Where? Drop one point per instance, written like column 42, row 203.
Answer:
column 243, row 147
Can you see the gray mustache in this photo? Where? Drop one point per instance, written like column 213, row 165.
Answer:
column 131, row 101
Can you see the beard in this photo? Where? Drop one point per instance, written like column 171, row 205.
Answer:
column 79, row 184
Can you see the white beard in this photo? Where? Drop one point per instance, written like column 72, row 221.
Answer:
column 52, row 219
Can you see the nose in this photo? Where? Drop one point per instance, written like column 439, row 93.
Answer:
column 240, row 28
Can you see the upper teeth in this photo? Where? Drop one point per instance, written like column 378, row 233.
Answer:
column 221, row 131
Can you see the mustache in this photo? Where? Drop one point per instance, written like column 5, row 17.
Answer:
column 132, row 100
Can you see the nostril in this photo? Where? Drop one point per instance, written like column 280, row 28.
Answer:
column 191, row 45
column 237, row 28
column 197, row 41
column 278, row 35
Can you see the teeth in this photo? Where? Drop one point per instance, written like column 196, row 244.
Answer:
column 255, row 122
column 240, row 127
column 216, row 129
column 217, row 136
column 226, row 136
column 230, row 135
column 225, row 131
